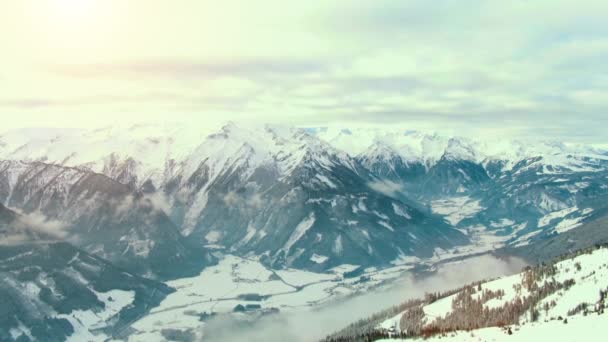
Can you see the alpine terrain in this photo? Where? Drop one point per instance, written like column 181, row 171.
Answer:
column 106, row 232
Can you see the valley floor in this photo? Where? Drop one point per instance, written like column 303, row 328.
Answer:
column 235, row 281
column 259, row 290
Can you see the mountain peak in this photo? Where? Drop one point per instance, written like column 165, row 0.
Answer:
column 460, row 149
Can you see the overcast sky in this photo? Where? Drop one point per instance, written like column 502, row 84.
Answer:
column 525, row 67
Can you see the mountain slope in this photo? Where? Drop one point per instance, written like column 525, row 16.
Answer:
column 102, row 216
column 585, row 236
column 387, row 162
column 286, row 195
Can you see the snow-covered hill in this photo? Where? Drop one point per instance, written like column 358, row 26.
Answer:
column 557, row 301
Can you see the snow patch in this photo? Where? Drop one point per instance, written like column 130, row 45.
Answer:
column 400, row 211
column 299, row 231
column 545, row 220
column 326, row 181
column 319, row 259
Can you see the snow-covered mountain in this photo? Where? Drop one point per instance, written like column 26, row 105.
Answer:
column 359, row 196
column 141, row 153
column 131, row 155
column 283, row 194
column 562, row 301
column 276, row 192
column 429, row 148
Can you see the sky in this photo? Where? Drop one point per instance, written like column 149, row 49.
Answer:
column 518, row 67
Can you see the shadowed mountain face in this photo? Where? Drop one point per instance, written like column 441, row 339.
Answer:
column 52, row 291
column 6, row 216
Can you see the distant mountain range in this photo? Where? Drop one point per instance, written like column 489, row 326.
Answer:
column 364, row 196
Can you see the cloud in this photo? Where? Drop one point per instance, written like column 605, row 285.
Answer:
column 27, row 103
column 157, row 201
column 250, row 200
column 245, row 68
column 33, row 227
column 315, row 324
column 466, row 65
column 231, row 198
column 124, row 205
column 38, row 222
column 386, row 187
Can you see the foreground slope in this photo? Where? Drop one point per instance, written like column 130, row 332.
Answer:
column 560, row 300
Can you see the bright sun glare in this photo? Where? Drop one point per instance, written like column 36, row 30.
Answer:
column 73, row 30
column 75, row 8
